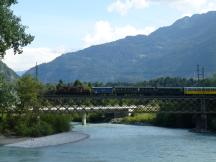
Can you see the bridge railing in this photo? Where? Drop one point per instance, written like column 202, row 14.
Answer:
column 139, row 104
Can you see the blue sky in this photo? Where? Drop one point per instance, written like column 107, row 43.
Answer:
column 66, row 25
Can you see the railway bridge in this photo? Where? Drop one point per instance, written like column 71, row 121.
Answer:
column 199, row 105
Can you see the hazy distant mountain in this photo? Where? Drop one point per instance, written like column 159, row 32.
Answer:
column 169, row 51
column 8, row 73
column 20, row 73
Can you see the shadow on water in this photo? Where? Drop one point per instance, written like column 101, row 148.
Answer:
column 123, row 143
column 19, row 155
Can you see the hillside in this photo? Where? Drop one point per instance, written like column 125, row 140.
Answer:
column 169, row 51
column 8, row 73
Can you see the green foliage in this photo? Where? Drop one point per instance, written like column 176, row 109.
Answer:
column 49, row 89
column 12, row 32
column 40, row 129
column 76, row 117
column 89, row 85
column 167, row 82
column 78, row 83
column 59, row 123
column 28, row 90
column 93, row 117
column 60, row 84
column 37, row 129
column 140, row 118
column 8, row 96
column 98, row 117
column 28, row 125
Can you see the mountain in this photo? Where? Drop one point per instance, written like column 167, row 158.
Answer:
column 169, row 51
column 8, row 73
column 20, row 73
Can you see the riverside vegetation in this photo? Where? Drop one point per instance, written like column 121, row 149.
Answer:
column 20, row 102
column 17, row 119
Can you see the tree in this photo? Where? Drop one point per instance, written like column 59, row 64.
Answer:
column 28, row 90
column 60, row 84
column 12, row 32
column 8, row 96
column 77, row 83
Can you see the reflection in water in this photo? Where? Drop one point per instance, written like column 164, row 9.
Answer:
column 19, row 155
column 123, row 143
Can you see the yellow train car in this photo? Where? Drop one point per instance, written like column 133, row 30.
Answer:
column 200, row 90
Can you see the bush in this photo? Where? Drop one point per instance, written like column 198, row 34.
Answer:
column 76, row 117
column 59, row 123
column 22, row 129
column 29, row 125
column 40, row 129
column 96, row 117
column 139, row 118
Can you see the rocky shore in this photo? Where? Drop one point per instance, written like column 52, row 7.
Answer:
column 12, row 139
column 46, row 141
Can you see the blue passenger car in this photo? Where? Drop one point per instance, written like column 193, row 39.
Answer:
column 102, row 90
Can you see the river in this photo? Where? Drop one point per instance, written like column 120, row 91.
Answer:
column 122, row 143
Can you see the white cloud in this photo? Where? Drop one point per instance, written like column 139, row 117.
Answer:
column 122, row 7
column 105, row 32
column 30, row 56
column 187, row 7
column 190, row 7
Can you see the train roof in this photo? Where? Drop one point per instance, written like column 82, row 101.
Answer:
column 103, row 87
column 200, row 87
column 148, row 87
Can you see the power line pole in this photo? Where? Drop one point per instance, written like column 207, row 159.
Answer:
column 203, row 73
column 36, row 71
column 200, row 74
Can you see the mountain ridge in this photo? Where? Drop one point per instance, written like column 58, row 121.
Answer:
column 7, row 72
column 174, row 50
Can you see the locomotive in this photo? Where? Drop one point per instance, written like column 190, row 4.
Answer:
column 150, row 91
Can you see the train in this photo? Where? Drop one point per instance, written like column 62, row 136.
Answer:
column 149, row 91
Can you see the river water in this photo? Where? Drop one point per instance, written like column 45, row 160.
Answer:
column 123, row 143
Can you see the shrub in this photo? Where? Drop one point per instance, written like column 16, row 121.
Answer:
column 27, row 125
column 59, row 123
column 139, row 118
column 22, row 129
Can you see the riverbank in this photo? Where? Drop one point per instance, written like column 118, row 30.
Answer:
column 52, row 140
column 193, row 130
column 161, row 120
column 9, row 140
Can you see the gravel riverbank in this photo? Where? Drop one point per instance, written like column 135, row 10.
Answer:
column 52, row 140
column 8, row 140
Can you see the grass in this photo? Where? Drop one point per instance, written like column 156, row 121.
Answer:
column 140, row 118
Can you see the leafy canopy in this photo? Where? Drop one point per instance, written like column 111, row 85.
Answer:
column 7, row 95
column 12, row 32
column 28, row 90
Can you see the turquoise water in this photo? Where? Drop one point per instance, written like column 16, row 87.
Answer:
column 123, row 143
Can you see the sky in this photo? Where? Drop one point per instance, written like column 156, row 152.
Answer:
column 62, row 26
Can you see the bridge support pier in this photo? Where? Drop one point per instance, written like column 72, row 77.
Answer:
column 204, row 122
column 201, row 120
column 84, row 115
column 130, row 111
